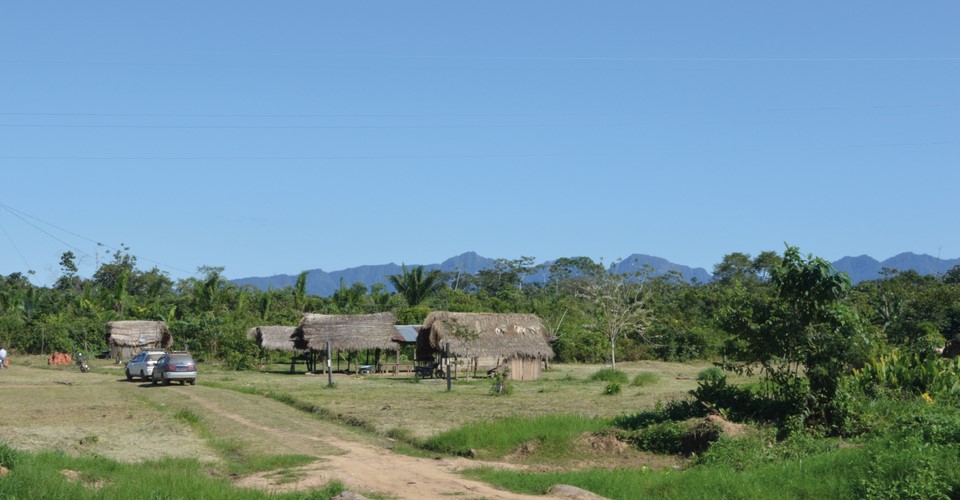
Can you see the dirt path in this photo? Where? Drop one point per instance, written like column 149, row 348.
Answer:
column 362, row 467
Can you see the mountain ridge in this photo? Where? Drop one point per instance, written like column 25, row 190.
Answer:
column 323, row 283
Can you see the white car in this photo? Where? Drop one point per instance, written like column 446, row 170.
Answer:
column 142, row 364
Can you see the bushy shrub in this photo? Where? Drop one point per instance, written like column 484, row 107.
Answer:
column 712, row 374
column 645, row 378
column 501, row 385
column 673, row 411
column 911, row 373
column 741, row 403
column 610, row 375
column 613, row 388
column 239, row 361
column 761, row 447
column 904, row 469
column 689, row 437
column 683, row 344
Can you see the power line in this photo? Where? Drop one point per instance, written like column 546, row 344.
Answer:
column 15, row 247
column 291, row 158
column 269, row 127
column 17, row 215
column 271, row 115
column 21, row 215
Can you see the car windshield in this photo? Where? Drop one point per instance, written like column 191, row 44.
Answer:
column 154, row 357
column 179, row 359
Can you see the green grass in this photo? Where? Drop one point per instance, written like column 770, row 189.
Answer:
column 553, row 435
column 830, row 476
column 610, row 375
column 42, row 475
column 711, row 374
column 645, row 378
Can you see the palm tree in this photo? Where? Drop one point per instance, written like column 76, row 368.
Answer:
column 414, row 286
column 300, row 292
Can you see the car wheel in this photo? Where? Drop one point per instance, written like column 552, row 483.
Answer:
column 143, row 376
column 193, row 381
column 129, row 377
column 166, row 381
column 154, row 381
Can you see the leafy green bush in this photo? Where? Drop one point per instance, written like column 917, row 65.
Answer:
column 905, row 469
column 663, row 437
column 613, row 388
column 675, row 410
column 610, row 375
column 712, row 374
column 239, row 361
column 689, row 437
column 911, row 373
column 645, row 378
column 501, row 386
column 761, row 447
column 741, row 403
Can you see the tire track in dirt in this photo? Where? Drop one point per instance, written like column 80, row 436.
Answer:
column 361, row 467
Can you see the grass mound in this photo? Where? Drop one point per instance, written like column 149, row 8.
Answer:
column 553, row 434
column 610, row 375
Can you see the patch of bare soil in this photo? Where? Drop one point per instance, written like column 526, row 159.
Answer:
column 360, row 466
column 606, row 443
column 76, row 477
column 523, row 451
column 727, row 428
column 606, row 451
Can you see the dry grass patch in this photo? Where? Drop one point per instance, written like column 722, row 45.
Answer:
column 87, row 414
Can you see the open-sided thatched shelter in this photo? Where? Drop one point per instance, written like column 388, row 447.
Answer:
column 127, row 338
column 273, row 338
column 347, row 332
column 518, row 341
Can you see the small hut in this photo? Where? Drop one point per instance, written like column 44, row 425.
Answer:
column 516, row 341
column 280, row 338
column 273, row 338
column 347, row 332
column 127, row 338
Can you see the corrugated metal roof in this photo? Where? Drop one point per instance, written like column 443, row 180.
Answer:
column 407, row 332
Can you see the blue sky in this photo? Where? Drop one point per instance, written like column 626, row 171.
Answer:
column 275, row 137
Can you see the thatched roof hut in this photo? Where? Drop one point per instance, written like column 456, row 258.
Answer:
column 501, row 335
column 274, row 338
column 516, row 341
column 346, row 332
column 128, row 337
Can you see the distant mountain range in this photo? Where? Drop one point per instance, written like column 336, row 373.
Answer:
column 324, row 284
column 865, row 268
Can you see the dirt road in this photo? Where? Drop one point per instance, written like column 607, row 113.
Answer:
column 363, row 467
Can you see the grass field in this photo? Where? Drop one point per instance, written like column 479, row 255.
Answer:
column 269, row 429
column 102, row 415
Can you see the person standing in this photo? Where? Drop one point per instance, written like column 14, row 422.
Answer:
column 3, row 358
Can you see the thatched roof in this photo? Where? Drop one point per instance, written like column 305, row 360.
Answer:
column 346, row 332
column 276, row 338
column 503, row 335
column 138, row 333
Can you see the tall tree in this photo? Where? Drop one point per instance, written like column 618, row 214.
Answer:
column 619, row 306
column 801, row 330
column 415, row 286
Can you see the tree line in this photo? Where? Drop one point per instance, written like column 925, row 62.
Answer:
column 594, row 315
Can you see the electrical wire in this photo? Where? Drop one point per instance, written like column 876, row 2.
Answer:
column 22, row 216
